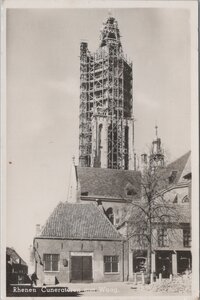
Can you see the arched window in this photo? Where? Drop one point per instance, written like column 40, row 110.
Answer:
column 185, row 199
column 99, row 150
column 110, row 215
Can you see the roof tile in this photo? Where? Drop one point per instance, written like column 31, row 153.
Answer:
column 108, row 182
column 79, row 221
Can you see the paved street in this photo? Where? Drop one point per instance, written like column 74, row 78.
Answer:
column 113, row 289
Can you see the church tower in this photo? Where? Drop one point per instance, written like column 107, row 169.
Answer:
column 156, row 158
column 106, row 125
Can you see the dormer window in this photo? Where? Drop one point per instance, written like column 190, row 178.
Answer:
column 188, row 176
column 175, row 199
column 172, row 177
column 130, row 192
column 185, row 199
column 84, row 194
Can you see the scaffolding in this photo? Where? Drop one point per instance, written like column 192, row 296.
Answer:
column 105, row 91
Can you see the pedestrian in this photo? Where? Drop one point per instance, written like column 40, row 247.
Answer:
column 34, row 279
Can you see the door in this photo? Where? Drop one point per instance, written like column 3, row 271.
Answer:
column 81, row 268
column 164, row 263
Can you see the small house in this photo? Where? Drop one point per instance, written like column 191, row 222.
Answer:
column 78, row 243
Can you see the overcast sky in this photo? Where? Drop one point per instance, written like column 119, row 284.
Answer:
column 43, row 98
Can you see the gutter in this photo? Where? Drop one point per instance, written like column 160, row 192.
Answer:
column 105, row 199
column 79, row 239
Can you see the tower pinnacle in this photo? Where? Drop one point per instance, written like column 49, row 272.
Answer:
column 156, row 128
column 157, row 152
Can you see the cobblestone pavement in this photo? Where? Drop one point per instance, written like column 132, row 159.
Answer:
column 117, row 289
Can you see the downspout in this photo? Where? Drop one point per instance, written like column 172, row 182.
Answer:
column 123, row 261
column 34, row 256
column 128, row 249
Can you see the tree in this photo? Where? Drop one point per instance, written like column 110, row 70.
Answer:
column 153, row 212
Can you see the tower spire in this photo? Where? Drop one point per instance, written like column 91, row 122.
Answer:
column 156, row 128
column 109, row 13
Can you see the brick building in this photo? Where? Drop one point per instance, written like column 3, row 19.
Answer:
column 171, row 246
column 16, row 268
column 79, row 244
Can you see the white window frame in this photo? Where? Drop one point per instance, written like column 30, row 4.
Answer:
column 111, row 264
column 51, row 271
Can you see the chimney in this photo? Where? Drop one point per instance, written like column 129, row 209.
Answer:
column 38, row 229
column 99, row 202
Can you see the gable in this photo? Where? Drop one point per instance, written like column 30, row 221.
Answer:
column 174, row 172
column 79, row 221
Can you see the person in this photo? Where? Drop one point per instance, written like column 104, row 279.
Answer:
column 165, row 273
column 34, row 278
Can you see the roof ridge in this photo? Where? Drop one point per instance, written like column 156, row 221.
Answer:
column 54, row 210
column 16, row 253
column 70, row 220
column 108, row 169
column 179, row 158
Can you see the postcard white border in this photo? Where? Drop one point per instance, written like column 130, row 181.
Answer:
column 192, row 5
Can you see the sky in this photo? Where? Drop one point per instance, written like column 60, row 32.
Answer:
column 43, row 98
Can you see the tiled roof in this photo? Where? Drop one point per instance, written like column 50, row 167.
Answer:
column 15, row 257
column 179, row 166
column 110, row 183
column 187, row 170
column 184, row 212
column 79, row 221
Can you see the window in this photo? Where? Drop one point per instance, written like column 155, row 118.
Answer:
column 111, row 264
column 110, row 215
column 185, row 199
column 186, row 238
column 175, row 199
column 142, row 238
column 84, row 194
column 117, row 221
column 131, row 192
column 162, row 237
column 51, row 262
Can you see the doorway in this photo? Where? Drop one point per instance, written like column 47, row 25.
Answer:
column 81, row 269
column 164, row 263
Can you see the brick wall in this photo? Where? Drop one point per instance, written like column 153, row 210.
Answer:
column 96, row 248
